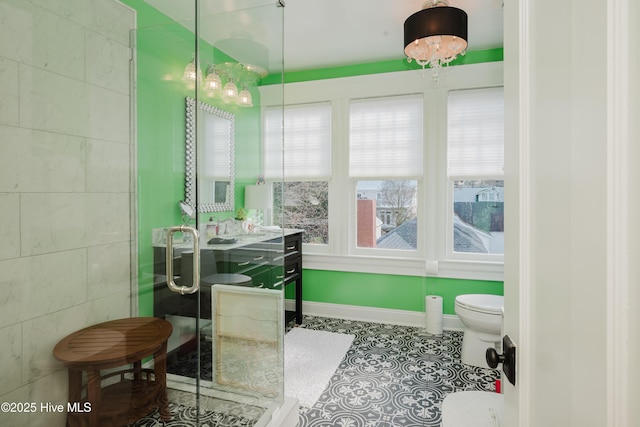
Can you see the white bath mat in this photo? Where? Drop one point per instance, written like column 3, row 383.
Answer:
column 310, row 359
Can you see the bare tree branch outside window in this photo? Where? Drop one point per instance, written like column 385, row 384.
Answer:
column 399, row 196
column 306, row 207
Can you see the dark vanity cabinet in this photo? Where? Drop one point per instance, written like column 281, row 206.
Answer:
column 268, row 263
column 292, row 274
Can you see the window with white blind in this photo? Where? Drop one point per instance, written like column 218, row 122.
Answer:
column 306, row 166
column 385, row 137
column 415, row 184
column 475, row 158
column 307, row 142
column 385, row 160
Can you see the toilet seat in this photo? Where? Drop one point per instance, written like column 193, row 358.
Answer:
column 481, row 303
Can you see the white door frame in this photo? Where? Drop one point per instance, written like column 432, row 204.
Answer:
column 548, row 328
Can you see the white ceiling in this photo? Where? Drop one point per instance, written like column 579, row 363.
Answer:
column 328, row 33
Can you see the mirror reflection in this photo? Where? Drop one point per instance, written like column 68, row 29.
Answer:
column 216, row 153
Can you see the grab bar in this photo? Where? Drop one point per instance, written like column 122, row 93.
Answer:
column 196, row 260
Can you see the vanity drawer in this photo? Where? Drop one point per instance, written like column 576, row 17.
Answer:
column 292, row 245
column 261, row 277
column 243, row 260
column 291, row 270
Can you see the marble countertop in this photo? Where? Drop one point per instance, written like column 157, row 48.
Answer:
column 160, row 238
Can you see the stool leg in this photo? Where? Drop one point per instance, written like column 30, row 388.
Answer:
column 75, row 390
column 160, row 373
column 94, row 395
column 137, row 371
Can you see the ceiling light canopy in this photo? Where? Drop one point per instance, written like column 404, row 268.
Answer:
column 436, row 35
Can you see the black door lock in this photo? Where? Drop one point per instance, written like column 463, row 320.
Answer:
column 507, row 358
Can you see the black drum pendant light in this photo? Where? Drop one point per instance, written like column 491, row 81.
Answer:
column 436, row 35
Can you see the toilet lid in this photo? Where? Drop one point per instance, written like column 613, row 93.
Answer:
column 492, row 304
column 472, row 408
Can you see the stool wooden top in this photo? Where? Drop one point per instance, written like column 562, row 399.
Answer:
column 114, row 343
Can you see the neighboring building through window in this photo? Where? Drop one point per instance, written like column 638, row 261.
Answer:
column 475, row 160
column 350, row 143
column 385, row 160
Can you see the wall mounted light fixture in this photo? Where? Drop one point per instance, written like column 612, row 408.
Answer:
column 235, row 74
column 213, row 82
column 192, row 73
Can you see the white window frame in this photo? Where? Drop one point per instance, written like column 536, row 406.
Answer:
column 430, row 259
column 317, row 247
column 466, row 256
column 354, row 249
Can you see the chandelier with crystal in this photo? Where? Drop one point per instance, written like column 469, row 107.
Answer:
column 436, row 35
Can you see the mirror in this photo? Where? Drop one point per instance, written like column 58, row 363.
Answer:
column 216, row 142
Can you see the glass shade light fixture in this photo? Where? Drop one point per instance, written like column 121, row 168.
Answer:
column 235, row 74
column 192, row 73
column 230, row 92
column 213, row 82
column 244, row 97
column 436, row 35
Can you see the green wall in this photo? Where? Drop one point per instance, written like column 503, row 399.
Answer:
column 164, row 47
column 401, row 64
column 388, row 291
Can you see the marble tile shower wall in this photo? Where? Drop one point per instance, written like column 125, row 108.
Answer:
column 64, row 186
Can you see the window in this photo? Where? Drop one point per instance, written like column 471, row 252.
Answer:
column 305, row 205
column 387, row 219
column 385, row 160
column 475, row 157
column 303, row 202
column 402, row 134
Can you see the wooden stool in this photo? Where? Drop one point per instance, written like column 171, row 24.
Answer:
column 108, row 345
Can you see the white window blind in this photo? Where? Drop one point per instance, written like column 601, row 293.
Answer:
column 385, row 137
column 476, row 133
column 307, row 142
column 218, row 155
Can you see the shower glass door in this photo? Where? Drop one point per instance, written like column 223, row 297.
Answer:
column 199, row 68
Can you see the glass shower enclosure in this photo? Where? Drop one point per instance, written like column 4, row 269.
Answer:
column 202, row 263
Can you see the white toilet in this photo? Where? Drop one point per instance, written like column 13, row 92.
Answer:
column 482, row 318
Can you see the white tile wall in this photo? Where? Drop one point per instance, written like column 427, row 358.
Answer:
column 56, row 161
column 9, row 220
column 44, row 332
column 107, row 166
column 46, row 104
column 107, row 63
column 11, row 355
column 35, row 286
column 65, row 162
column 43, row 40
column 9, row 90
column 108, row 273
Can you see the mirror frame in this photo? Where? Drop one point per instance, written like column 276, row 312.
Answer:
column 190, row 157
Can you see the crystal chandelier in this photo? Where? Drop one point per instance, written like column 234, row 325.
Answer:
column 436, row 35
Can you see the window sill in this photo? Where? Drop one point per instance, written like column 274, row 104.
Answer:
column 470, row 270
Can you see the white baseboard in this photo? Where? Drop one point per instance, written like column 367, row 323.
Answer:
column 372, row 314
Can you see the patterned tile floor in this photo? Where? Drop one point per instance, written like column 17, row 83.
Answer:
column 392, row 376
